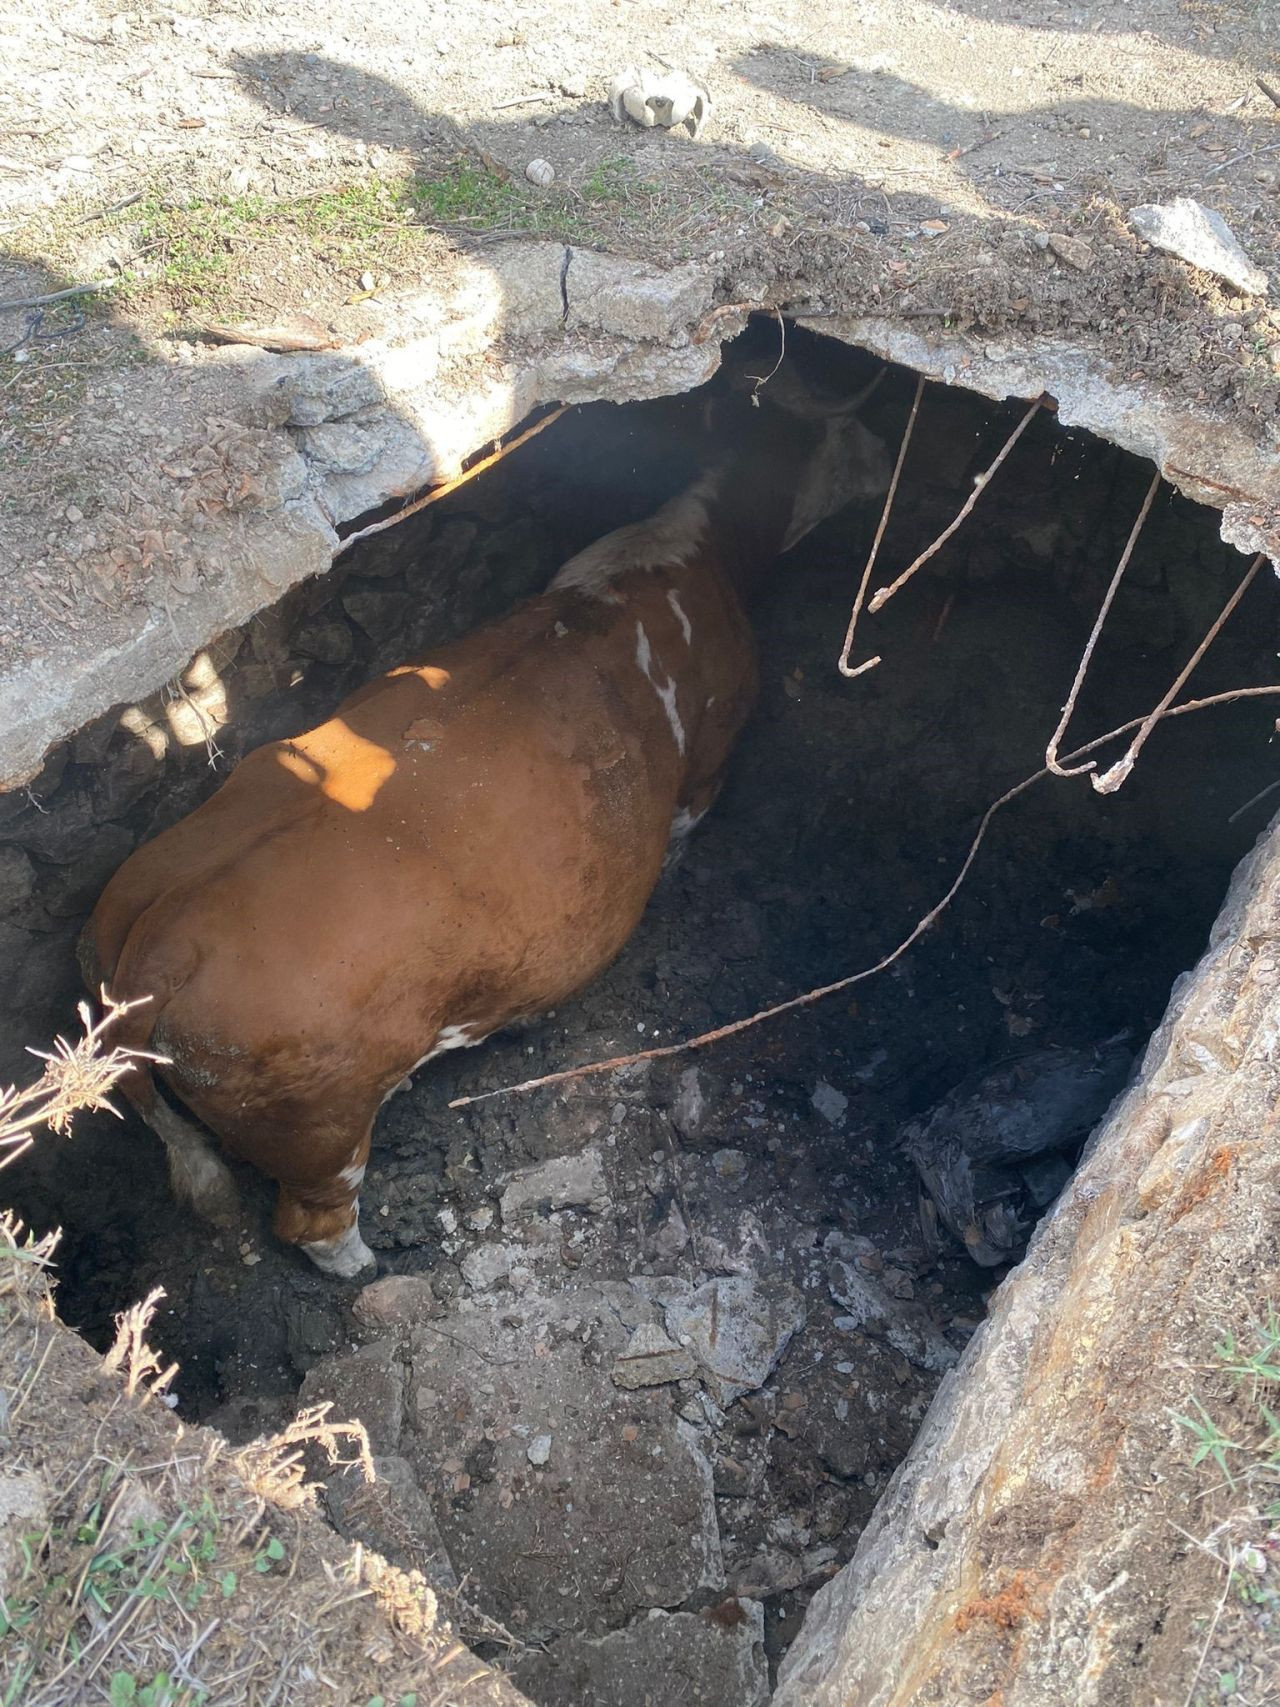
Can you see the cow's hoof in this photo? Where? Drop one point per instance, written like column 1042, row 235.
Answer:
column 345, row 1257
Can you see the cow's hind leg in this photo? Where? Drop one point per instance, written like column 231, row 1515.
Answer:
column 323, row 1217
column 197, row 1174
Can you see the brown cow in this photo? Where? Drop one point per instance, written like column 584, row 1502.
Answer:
column 466, row 842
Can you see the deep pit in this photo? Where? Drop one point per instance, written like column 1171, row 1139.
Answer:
column 747, row 1199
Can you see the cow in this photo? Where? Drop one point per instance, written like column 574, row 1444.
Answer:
column 465, row 843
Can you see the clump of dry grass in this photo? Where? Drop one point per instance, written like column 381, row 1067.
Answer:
column 76, row 1076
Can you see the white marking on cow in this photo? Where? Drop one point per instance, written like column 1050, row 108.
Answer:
column 344, row 1256
column 448, row 1037
column 681, row 825
column 686, row 627
column 665, row 690
column 685, row 821
column 665, row 541
column 452, row 1037
column 353, row 1177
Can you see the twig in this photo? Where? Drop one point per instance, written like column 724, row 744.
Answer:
column 883, row 596
column 1116, row 775
column 843, row 662
column 115, row 207
column 1273, row 95
column 59, row 295
column 1248, row 154
column 1229, row 1577
column 913, row 936
column 1260, row 795
column 1068, row 710
column 437, row 492
column 983, row 140
column 520, row 101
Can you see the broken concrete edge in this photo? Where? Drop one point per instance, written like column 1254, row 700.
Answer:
column 1211, row 461
column 458, row 369
column 1033, row 1489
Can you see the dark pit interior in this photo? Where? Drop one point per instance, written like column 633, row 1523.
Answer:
column 754, row 1197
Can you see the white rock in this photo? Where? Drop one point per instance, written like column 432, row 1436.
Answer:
column 539, row 1449
column 690, row 1104
column 489, row 1264
column 1201, row 237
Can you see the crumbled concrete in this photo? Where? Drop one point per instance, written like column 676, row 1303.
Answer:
column 564, row 1182
column 690, row 1105
column 737, row 1329
column 392, row 1515
column 868, row 1308
column 652, row 1359
column 1201, row 237
column 485, row 1266
column 394, row 1300
column 830, row 1103
column 710, row 1659
column 586, row 1504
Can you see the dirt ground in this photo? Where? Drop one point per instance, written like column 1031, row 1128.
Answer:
column 229, row 163
column 772, row 1162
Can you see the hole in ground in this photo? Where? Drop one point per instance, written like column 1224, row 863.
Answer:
column 752, row 1205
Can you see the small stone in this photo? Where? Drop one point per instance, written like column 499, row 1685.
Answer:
column 690, row 1106
column 541, row 173
column 830, row 1103
column 539, row 1450
column 393, row 1300
column 366, row 281
column 574, row 87
column 1075, row 251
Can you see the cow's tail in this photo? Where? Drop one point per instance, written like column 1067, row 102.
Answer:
column 197, row 1174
